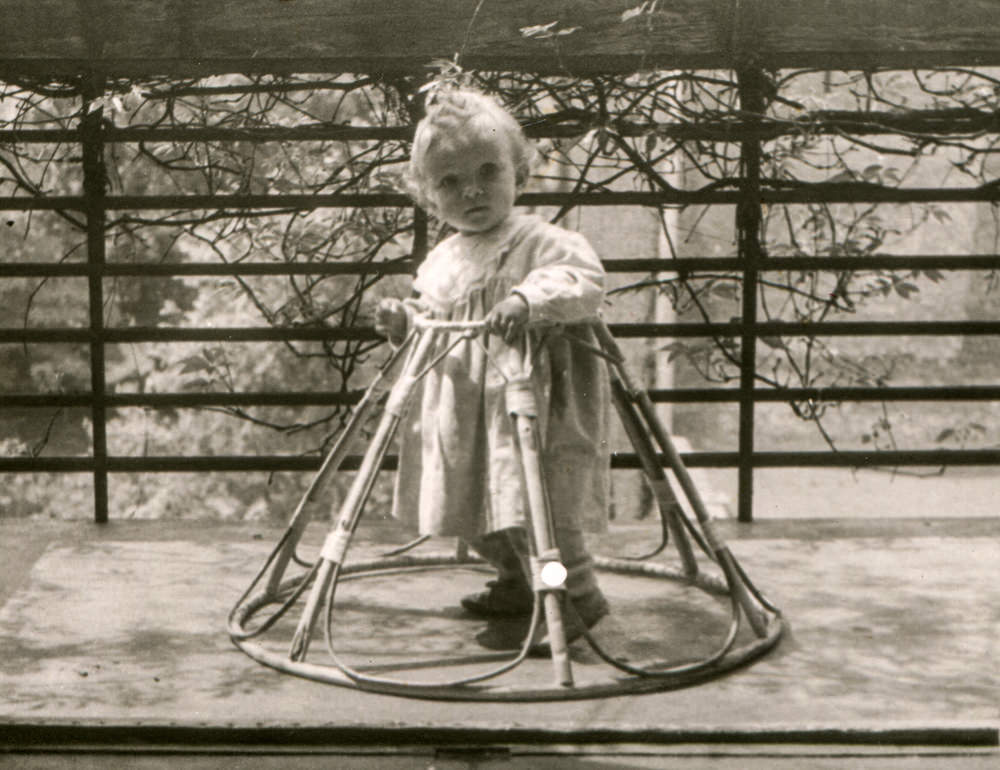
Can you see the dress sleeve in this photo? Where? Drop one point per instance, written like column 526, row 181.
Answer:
column 568, row 283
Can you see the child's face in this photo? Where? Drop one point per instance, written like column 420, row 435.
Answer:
column 471, row 183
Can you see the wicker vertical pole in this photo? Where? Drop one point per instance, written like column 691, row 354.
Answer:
column 335, row 548
column 331, row 463
column 523, row 409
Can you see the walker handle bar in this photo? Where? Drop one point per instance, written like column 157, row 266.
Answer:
column 425, row 322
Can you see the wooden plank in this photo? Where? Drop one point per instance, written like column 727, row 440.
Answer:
column 199, row 37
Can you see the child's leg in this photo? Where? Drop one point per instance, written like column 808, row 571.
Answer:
column 581, row 579
column 510, row 594
column 587, row 600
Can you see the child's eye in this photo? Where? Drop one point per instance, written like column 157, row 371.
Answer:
column 447, row 183
column 488, row 170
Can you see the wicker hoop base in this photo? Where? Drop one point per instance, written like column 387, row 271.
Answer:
column 657, row 675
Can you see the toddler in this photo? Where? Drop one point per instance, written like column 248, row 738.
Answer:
column 459, row 471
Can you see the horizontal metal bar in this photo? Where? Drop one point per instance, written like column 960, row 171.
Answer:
column 934, row 122
column 362, row 333
column 162, row 134
column 864, row 459
column 813, row 193
column 817, row 329
column 621, row 461
column 175, row 464
column 114, row 336
column 405, row 266
column 839, row 459
column 784, row 395
column 175, row 269
column 179, row 400
column 242, row 203
column 768, row 264
column 662, row 395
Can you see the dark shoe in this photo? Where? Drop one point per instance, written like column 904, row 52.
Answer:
column 503, row 599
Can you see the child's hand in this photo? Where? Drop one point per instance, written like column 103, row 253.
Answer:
column 391, row 320
column 508, row 317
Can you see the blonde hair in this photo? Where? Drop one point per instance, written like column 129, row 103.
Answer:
column 456, row 111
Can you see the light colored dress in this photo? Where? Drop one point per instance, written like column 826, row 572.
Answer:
column 459, row 472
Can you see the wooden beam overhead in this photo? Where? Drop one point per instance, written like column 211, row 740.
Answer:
column 136, row 38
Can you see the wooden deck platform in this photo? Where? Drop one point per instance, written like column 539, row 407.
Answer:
column 114, row 645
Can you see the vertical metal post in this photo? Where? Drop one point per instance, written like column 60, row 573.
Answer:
column 748, row 224
column 94, row 187
column 420, row 236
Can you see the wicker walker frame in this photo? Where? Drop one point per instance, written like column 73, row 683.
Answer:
column 392, row 390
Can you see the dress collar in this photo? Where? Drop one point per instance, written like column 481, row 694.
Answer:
column 502, row 233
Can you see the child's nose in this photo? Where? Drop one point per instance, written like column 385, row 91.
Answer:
column 472, row 190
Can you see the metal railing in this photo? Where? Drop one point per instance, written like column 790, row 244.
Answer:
column 95, row 204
